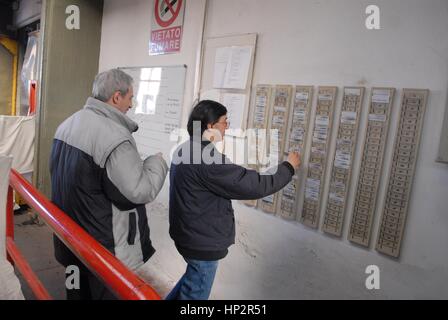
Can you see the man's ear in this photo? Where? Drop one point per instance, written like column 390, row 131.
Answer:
column 209, row 126
column 116, row 97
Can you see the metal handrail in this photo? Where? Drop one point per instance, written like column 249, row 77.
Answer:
column 115, row 275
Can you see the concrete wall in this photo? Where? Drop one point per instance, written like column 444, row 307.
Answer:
column 69, row 65
column 316, row 43
column 443, row 147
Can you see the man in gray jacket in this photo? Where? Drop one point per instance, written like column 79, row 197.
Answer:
column 99, row 180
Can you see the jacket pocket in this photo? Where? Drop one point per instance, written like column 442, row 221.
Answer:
column 132, row 228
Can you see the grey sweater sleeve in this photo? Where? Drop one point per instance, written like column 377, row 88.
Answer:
column 138, row 181
column 235, row 182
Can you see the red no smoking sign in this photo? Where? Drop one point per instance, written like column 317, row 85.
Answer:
column 166, row 33
column 166, row 11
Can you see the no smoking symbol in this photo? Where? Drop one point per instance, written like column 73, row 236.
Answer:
column 166, row 11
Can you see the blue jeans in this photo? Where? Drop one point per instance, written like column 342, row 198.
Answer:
column 197, row 281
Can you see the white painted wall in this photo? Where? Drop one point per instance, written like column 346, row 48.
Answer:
column 125, row 40
column 312, row 42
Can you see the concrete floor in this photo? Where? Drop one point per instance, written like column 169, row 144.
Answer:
column 35, row 241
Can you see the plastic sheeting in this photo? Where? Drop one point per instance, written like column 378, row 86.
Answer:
column 29, row 74
column 17, row 139
column 9, row 284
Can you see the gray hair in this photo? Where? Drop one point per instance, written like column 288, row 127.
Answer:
column 108, row 82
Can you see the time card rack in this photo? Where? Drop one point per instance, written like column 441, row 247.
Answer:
column 318, row 157
column 343, row 160
column 406, row 146
column 381, row 100
column 295, row 141
column 257, row 131
column 279, row 121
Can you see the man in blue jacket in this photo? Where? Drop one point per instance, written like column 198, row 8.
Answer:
column 202, row 184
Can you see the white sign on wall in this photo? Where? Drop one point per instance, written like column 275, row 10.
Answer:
column 166, row 26
column 157, row 109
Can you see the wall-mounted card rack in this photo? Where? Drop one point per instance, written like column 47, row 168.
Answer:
column 402, row 172
column 381, row 101
column 318, row 157
column 343, row 160
column 256, row 133
column 295, row 141
column 277, row 134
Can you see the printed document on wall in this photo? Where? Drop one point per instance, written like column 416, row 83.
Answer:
column 235, row 104
column 231, row 68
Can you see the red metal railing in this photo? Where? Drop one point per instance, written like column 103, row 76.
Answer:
column 115, row 275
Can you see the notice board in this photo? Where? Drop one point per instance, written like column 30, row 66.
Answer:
column 157, row 107
column 234, row 88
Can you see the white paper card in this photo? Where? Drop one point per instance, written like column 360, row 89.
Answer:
column 352, row 91
column 302, row 97
column 348, row 117
column 325, row 97
column 377, row 117
column 235, row 104
column 381, row 96
column 232, row 67
column 269, row 199
column 222, row 59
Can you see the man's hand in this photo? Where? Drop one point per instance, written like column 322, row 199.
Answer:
column 294, row 159
column 156, row 155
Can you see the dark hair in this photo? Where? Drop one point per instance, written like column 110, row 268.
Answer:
column 206, row 111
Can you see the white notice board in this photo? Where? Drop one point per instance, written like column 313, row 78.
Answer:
column 157, row 107
column 227, row 70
